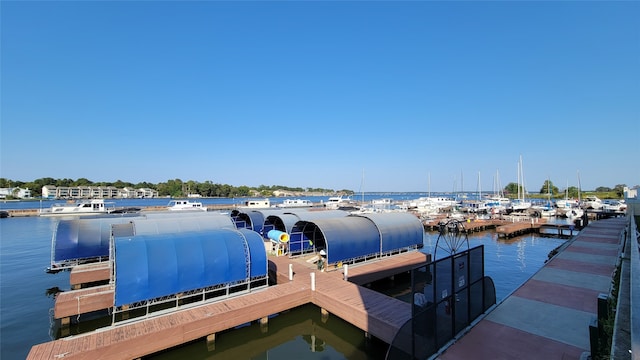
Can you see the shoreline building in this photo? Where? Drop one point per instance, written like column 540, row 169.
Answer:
column 95, row 192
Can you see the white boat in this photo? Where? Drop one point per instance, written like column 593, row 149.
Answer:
column 614, row 206
column 592, row 202
column 497, row 204
column 566, row 203
column 185, row 205
column 82, row 207
column 336, row 202
column 574, row 213
column 295, row 203
column 520, row 204
column 258, row 203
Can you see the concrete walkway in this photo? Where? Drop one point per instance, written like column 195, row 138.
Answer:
column 548, row 317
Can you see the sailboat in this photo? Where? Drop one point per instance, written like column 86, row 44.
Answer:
column 432, row 205
column 547, row 210
column 566, row 203
column 497, row 203
column 575, row 211
column 520, row 204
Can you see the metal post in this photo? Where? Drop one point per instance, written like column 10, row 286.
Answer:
column 346, row 272
column 313, row 281
column 290, row 272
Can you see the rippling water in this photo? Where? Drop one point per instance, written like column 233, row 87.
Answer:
column 25, row 251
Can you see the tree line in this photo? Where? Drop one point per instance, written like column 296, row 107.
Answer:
column 179, row 188
column 572, row 191
column 173, row 188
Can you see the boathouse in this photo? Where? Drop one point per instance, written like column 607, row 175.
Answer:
column 80, row 241
column 87, row 240
column 162, row 271
column 357, row 238
column 264, row 220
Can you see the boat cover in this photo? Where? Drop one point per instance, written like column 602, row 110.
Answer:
column 348, row 238
column 151, row 266
column 398, row 230
column 357, row 236
column 252, row 220
column 282, row 222
column 172, row 223
column 77, row 239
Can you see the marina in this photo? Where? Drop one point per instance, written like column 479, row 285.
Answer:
column 86, row 276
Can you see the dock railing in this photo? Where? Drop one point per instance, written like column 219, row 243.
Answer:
column 633, row 236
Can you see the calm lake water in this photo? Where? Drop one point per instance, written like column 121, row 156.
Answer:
column 25, row 311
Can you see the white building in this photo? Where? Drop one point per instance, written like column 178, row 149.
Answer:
column 15, row 192
column 95, row 192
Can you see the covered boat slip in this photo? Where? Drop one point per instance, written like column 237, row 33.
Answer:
column 345, row 238
column 264, row 220
column 357, row 237
column 87, row 240
column 180, row 268
column 154, row 272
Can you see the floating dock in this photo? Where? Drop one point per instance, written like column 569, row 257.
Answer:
column 376, row 314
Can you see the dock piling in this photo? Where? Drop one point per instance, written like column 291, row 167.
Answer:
column 313, row 281
column 324, row 315
column 264, row 325
column 290, row 272
column 211, row 342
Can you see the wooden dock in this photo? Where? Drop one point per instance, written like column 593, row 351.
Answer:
column 518, row 228
column 376, row 314
column 470, row 225
column 563, row 231
column 87, row 274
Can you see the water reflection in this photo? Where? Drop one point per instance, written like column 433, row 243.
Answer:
column 300, row 333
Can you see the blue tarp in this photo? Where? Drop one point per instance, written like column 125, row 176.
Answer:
column 173, row 222
column 349, row 238
column 398, row 230
column 79, row 239
column 258, row 254
column 357, row 236
column 152, row 266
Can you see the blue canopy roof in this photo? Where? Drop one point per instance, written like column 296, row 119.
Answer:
column 397, row 230
column 152, row 266
column 79, row 239
column 348, row 238
column 357, row 236
column 181, row 222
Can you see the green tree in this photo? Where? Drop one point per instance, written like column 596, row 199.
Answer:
column 573, row 192
column 619, row 189
column 548, row 188
column 511, row 189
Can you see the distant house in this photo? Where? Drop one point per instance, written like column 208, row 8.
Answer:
column 15, row 192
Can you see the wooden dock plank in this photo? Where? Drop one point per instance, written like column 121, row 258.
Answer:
column 76, row 302
column 89, row 273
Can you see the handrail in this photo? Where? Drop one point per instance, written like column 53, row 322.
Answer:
column 632, row 235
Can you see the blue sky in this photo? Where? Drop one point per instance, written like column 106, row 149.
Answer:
column 316, row 94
